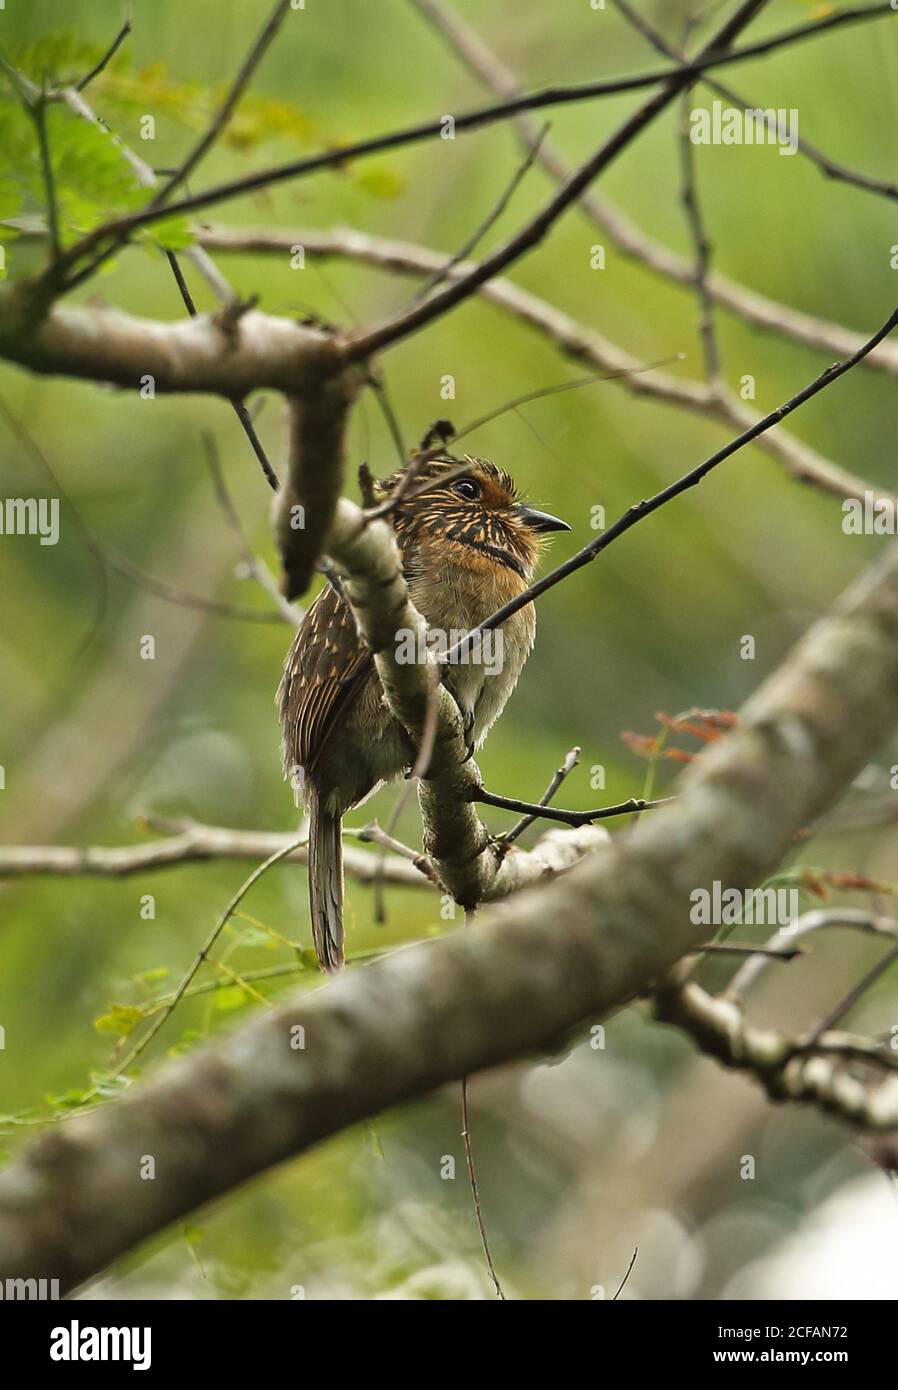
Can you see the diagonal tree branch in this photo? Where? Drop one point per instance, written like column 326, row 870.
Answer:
column 536, row 967
column 581, row 343
column 107, row 57
column 789, row 1068
column 654, row 255
column 577, row 341
column 533, row 232
column 226, row 110
column 410, row 258
column 712, row 57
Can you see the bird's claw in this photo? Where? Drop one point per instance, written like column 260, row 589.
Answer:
column 468, row 734
column 467, row 727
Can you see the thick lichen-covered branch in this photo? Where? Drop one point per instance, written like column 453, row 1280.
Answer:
column 535, row 966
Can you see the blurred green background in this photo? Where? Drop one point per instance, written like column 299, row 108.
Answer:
column 602, row 1150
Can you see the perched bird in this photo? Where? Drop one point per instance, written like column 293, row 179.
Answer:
column 468, row 545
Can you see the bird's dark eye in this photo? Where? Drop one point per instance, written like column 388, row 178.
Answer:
column 466, row 487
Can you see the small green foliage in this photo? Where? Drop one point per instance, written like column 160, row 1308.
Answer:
column 58, row 57
column 152, row 977
column 374, row 1140
column 260, row 939
column 187, row 1041
column 72, row 1099
column 109, row 1087
column 380, row 181
column 231, row 997
column 11, row 1118
column 171, row 234
column 93, row 181
column 128, row 94
column 120, row 1020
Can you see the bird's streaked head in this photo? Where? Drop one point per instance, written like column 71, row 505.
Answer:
column 470, row 503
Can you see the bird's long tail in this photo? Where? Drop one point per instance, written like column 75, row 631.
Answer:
column 325, row 883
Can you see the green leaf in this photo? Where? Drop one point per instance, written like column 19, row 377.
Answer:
column 256, row 938
column 232, row 997
column 58, row 56
column 150, row 977
column 380, row 181
column 15, row 1117
column 11, row 198
column 68, row 1100
column 374, row 1140
column 130, row 94
column 109, row 1086
column 188, row 1039
column 120, row 1021
column 172, row 233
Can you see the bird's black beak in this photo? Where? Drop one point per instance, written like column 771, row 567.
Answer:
column 542, row 521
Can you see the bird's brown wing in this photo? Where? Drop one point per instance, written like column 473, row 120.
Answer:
column 326, row 669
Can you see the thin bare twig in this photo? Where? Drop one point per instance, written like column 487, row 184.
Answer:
column 254, row 566
column 147, row 1037
column 106, row 58
column 173, row 593
column 185, row 842
column 695, row 219
column 38, row 113
column 226, row 110
column 845, row 1005
column 378, row 836
column 818, row 920
column 475, row 1191
column 480, row 232
column 623, row 1282
column 738, row 948
column 542, row 811
column 382, row 396
column 238, row 407
column 570, row 762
